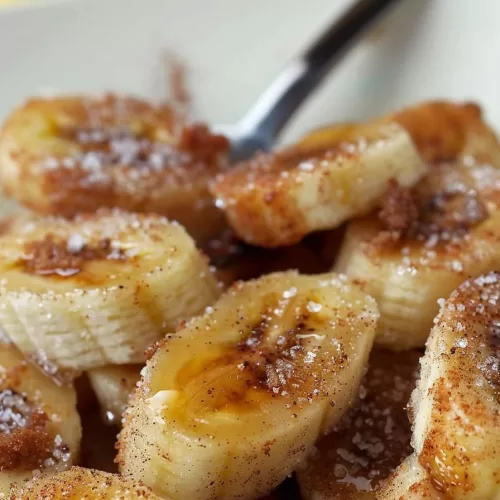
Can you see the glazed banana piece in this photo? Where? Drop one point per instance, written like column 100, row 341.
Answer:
column 68, row 155
column 371, row 440
column 456, row 405
column 40, row 427
column 113, row 386
column 424, row 242
column 232, row 403
column 98, row 289
column 443, row 131
column 276, row 199
column 79, row 483
column 409, row 275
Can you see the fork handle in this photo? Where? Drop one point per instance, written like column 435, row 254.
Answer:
column 272, row 111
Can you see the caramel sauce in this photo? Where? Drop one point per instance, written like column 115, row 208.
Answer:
column 56, row 258
column 373, row 437
column 235, row 260
column 240, row 378
column 25, row 441
column 219, row 385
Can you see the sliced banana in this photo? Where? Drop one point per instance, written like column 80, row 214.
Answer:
column 113, row 386
column 371, row 440
column 78, row 483
column 276, row 199
column 72, row 154
column 98, row 289
column 232, row 403
column 447, row 131
column 422, row 245
column 39, row 424
column 443, row 131
column 457, row 401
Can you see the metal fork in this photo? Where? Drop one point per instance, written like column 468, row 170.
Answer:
column 261, row 126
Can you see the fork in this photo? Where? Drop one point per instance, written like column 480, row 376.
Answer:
column 259, row 129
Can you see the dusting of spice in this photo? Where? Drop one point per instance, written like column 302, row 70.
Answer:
column 51, row 256
column 398, row 209
column 458, row 446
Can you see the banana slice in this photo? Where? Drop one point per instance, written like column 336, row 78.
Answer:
column 443, row 131
column 98, row 289
column 82, row 484
column 39, row 425
column 426, row 242
column 456, row 404
column 422, row 245
column 113, row 386
column 276, row 199
column 447, row 131
column 74, row 154
column 373, row 437
column 232, row 403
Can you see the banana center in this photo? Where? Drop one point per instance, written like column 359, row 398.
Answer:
column 64, row 258
column 272, row 362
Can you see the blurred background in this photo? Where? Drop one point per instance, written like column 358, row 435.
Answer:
column 232, row 50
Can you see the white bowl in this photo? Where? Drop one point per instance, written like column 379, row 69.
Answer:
column 233, row 49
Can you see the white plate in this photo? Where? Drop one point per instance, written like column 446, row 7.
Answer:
column 429, row 48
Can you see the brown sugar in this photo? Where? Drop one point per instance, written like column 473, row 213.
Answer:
column 398, row 209
column 52, row 256
column 203, row 146
column 25, row 442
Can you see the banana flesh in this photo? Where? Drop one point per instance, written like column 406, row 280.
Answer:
column 373, row 437
column 98, row 289
column 232, row 403
column 443, row 131
column 113, row 386
column 75, row 154
column 456, row 404
column 451, row 233
column 40, row 427
column 276, row 199
column 78, row 483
